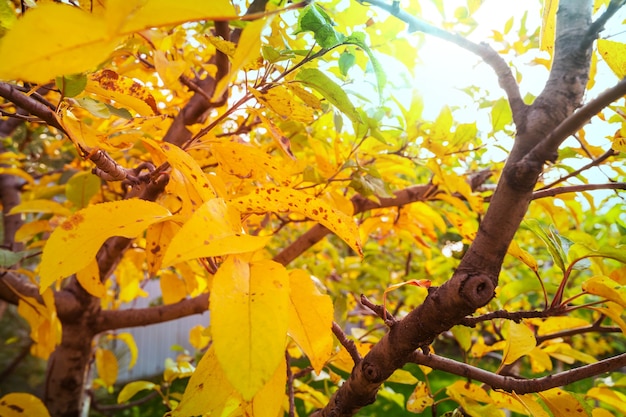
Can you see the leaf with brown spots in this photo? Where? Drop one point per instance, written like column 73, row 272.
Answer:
column 76, row 241
column 19, row 404
column 122, row 90
column 282, row 200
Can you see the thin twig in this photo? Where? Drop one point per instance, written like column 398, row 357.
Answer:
column 347, row 343
column 290, row 389
column 595, row 162
column 520, row 386
column 516, row 316
column 598, row 25
column 578, row 188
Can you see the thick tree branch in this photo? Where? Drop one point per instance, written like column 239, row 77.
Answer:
column 485, row 52
column 28, row 103
column 578, row 188
column 520, row 386
column 546, row 149
column 134, row 317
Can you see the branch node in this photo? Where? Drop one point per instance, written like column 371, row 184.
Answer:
column 380, row 311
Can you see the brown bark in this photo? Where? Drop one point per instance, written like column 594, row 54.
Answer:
column 473, row 283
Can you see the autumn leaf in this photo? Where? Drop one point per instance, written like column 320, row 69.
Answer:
column 76, row 241
column 605, row 287
column 213, row 230
column 89, row 279
column 132, row 388
column 208, row 389
column 282, row 200
column 420, row 398
column 562, row 404
column 614, row 54
column 519, row 342
column 20, row 404
column 249, row 321
column 310, row 319
column 106, row 364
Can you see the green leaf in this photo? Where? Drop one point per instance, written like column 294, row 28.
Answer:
column 346, row 61
column 358, row 39
column 551, row 241
column 332, row 92
column 501, row 115
column 95, row 107
column 81, row 187
column 71, row 85
column 314, row 19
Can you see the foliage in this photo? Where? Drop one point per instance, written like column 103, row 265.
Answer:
column 224, row 148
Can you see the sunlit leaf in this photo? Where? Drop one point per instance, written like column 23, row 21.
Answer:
column 76, row 241
column 208, row 389
column 40, row 206
column 605, row 287
column 106, row 364
column 71, row 85
column 197, row 337
column 122, row 90
column 172, row 287
column 420, row 398
column 89, row 279
column 282, row 200
column 563, row 404
column 548, row 26
column 313, row 18
column 20, row 404
column 268, row 401
column 213, row 230
column 128, row 338
column 320, row 82
column 519, row 342
column 132, row 388
column 249, row 321
column 614, row 54
column 609, row 396
column 310, row 319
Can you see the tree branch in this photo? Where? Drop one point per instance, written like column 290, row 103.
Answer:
column 546, row 149
column 598, row 25
column 520, row 386
column 32, row 106
column 485, row 52
column 577, row 188
column 595, row 162
column 134, row 317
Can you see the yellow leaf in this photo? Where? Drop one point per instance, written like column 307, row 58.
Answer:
column 133, row 388
column 248, row 50
column 246, row 161
column 122, row 90
column 419, row 399
column 522, row 255
column 562, row 403
column 172, row 288
column 614, row 311
column 548, row 26
column 169, row 71
column 41, row 206
column 608, row 396
column 600, row 412
column 76, row 241
column 29, row 230
column 78, row 44
column 282, row 200
column 156, row 13
column 82, row 40
column 18, row 173
column 106, row 364
column 268, row 401
column 507, row 401
column 614, row 54
column 158, row 238
column 196, row 182
column 89, row 279
column 213, row 230
column 208, row 390
column 197, row 337
column 400, row 376
column 281, row 101
column 310, row 319
column 557, row 324
column 532, row 406
column 45, row 327
column 132, row 347
column 519, row 342
column 249, row 319
column 343, row 360
column 20, row 404
column 607, row 288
